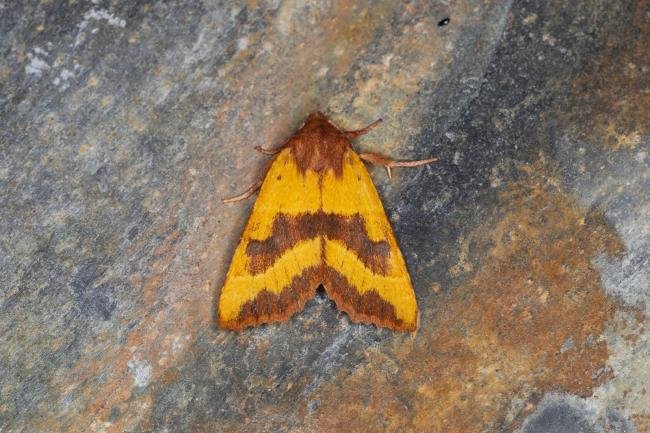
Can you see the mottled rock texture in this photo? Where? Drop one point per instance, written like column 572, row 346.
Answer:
column 123, row 123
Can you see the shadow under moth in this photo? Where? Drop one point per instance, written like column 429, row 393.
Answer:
column 318, row 220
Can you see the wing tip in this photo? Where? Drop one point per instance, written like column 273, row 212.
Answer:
column 269, row 308
column 375, row 311
column 393, row 324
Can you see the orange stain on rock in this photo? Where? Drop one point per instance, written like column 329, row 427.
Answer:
column 528, row 321
column 642, row 423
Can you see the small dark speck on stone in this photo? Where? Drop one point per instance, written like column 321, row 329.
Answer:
column 132, row 233
column 96, row 301
column 443, row 22
column 312, row 405
column 114, row 414
column 92, row 299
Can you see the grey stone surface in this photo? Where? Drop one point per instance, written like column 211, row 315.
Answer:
column 122, row 124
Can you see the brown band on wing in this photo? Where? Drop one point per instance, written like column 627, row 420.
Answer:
column 268, row 307
column 366, row 308
column 289, row 230
column 352, row 232
column 286, row 232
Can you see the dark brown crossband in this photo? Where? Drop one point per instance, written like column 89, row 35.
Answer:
column 366, row 308
column 268, row 307
column 287, row 231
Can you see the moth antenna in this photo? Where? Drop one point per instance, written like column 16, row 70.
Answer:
column 243, row 196
column 359, row 132
column 266, row 151
column 377, row 159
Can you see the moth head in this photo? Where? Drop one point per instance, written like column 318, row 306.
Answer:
column 319, row 145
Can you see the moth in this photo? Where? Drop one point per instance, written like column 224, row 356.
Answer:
column 318, row 220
